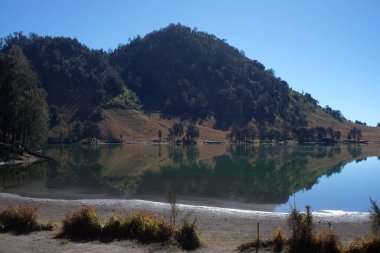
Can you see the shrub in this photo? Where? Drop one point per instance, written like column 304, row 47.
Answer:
column 187, row 236
column 301, row 225
column 278, row 240
column 369, row 244
column 113, row 228
column 82, row 224
column 146, row 228
column 374, row 216
column 326, row 242
column 21, row 219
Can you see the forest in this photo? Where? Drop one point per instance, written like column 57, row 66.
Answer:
column 176, row 71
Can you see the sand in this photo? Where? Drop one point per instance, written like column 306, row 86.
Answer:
column 222, row 230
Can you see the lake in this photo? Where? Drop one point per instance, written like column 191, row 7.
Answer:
column 263, row 178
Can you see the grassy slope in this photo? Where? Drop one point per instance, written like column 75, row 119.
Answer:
column 139, row 126
column 320, row 118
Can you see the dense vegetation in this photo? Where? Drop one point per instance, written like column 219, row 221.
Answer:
column 74, row 76
column 176, row 71
column 23, row 110
column 180, row 71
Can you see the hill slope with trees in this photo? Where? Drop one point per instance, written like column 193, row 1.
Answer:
column 170, row 74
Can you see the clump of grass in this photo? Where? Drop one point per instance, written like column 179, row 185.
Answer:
column 187, row 236
column 146, row 228
column 326, row 241
column 368, row 244
column 279, row 240
column 277, row 244
column 374, row 216
column 21, row 219
column 301, row 225
column 82, row 225
column 113, row 228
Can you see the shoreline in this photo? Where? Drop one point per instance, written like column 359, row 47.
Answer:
column 221, row 230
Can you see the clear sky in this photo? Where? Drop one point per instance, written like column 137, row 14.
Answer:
column 329, row 48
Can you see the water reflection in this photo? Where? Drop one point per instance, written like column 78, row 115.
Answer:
column 243, row 175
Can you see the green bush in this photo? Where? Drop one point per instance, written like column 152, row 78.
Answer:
column 188, row 237
column 82, row 225
column 21, row 219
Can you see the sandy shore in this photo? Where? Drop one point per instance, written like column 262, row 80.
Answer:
column 222, row 230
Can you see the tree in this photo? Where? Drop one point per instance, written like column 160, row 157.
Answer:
column 192, row 134
column 159, row 135
column 23, row 112
column 176, row 132
column 354, row 134
column 378, row 124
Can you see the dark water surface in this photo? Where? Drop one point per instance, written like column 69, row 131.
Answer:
column 264, row 178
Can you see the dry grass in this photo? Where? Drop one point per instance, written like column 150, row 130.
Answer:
column 83, row 224
column 21, row 219
column 188, row 236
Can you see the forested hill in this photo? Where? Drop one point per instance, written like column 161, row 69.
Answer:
column 175, row 71
column 180, row 71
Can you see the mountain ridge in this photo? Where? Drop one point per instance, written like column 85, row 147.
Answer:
column 170, row 74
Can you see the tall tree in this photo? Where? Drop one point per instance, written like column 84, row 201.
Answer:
column 23, row 112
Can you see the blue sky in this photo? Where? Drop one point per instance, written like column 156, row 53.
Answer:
column 330, row 48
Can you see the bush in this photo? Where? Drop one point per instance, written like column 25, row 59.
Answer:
column 82, row 224
column 301, row 225
column 369, row 244
column 187, row 236
column 326, row 242
column 21, row 219
column 146, row 228
column 113, row 228
column 279, row 240
column 374, row 216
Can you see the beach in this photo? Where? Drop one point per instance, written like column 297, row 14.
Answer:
column 221, row 229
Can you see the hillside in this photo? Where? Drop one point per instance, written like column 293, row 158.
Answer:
column 175, row 73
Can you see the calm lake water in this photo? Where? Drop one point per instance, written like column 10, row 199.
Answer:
column 264, row 178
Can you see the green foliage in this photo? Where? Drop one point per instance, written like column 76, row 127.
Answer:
column 192, row 134
column 83, row 224
column 176, row 132
column 360, row 123
column 21, row 219
column 85, row 130
column 23, row 110
column 316, row 135
column 181, row 71
column 126, row 100
column 187, row 236
column 72, row 74
column 334, row 113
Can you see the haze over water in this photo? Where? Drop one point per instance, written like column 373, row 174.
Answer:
column 263, row 178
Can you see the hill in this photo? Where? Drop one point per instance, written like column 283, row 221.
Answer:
column 175, row 73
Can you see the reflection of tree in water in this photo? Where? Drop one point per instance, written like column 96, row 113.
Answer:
column 265, row 174
column 12, row 176
column 354, row 150
column 178, row 153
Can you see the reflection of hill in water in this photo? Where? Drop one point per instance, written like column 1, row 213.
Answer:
column 265, row 174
